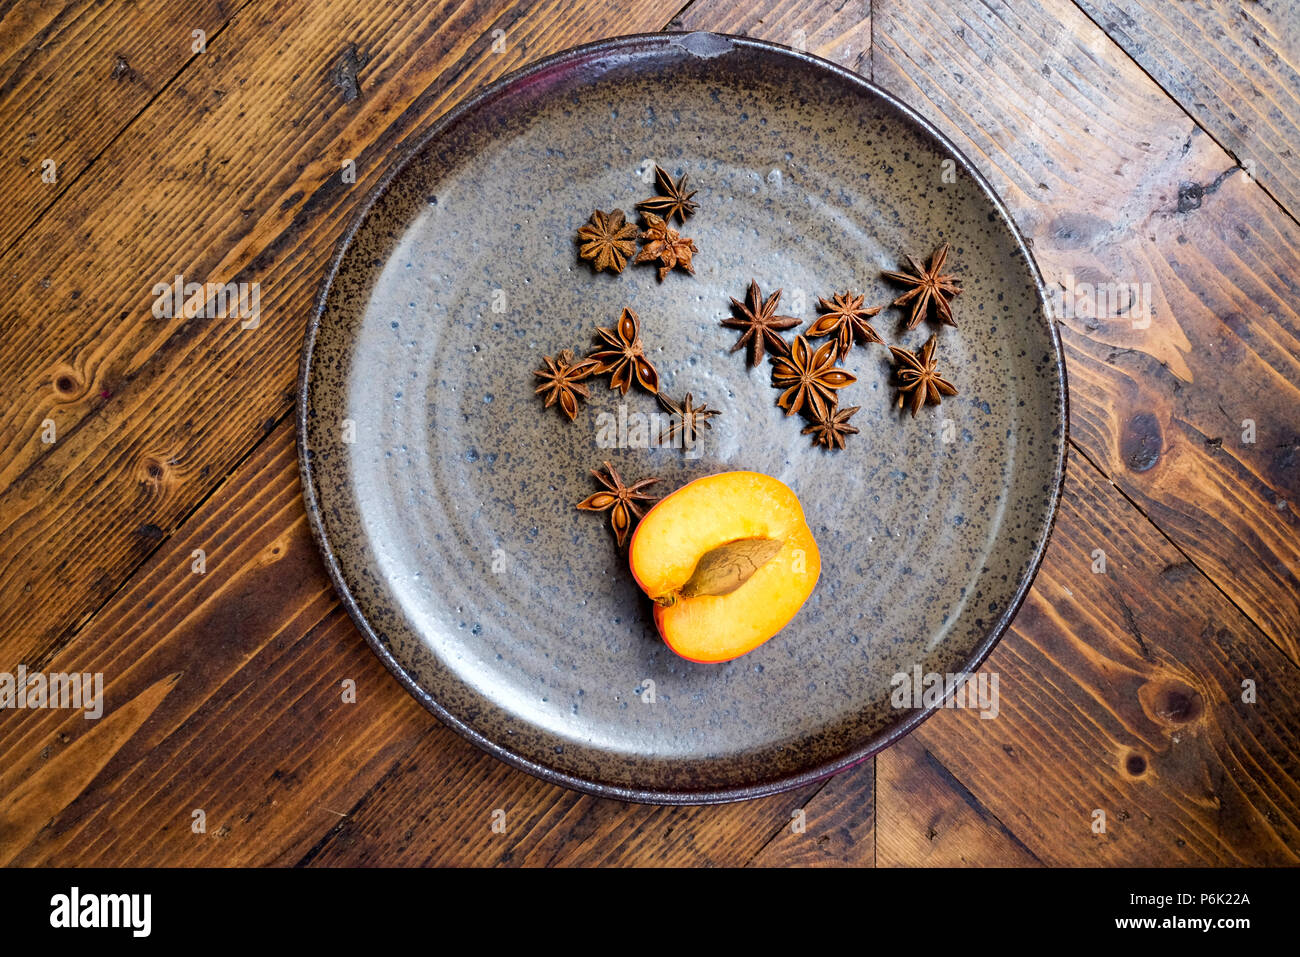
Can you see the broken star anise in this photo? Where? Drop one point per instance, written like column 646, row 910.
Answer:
column 809, row 378
column 831, row 428
column 918, row 378
column 621, row 500
column 607, row 240
column 928, row 286
column 688, row 418
column 562, row 381
column 625, row 356
column 666, row 245
column 761, row 324
column 845, row 318
column 673, row 199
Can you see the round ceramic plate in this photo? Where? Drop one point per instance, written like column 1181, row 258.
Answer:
column 442, row 493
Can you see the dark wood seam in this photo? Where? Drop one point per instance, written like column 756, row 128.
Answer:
column 973, row 802
column 675, row 20
column 1141, row 511
column 1186, row 112
column 786, row 823
column 42, row 213
column 70, row 635
column 335, row 829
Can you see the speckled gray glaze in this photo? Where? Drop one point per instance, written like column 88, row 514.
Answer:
column 448, row 522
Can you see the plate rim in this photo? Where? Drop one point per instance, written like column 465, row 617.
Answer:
column 667, row 796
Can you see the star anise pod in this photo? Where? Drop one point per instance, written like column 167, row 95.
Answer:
column 562, row 381
column 666, row 245
column 917, row 377
column 673, row 199
column 845, row 318
column 689, row 417
column 928, row 286
column 625, row 356
column 622, row 501
column 830, row 429
column 761, row 324
column 608, row 240
column 809, row 378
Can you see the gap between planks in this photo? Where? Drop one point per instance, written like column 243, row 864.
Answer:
column 90, row 163
column 1187, row 558
column 1186, row 112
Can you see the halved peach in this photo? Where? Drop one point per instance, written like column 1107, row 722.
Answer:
column 728, row 560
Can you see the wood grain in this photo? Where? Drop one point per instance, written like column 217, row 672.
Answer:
column 150, row 413
column 33, row 802
column 929, row 819
column 177, row 766
column 256, row 735
column 1122, row 691
column 1234, row 67
column 1094, row 160
column 259, row 691
column 837, row 32
column 837, row 827
column 254, row 732
column 439, row 807
column 72, row 77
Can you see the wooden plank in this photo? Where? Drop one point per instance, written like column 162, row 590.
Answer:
column 1234, row 67
column 458, row 806
column 228, row 687
column 837, row 826
column 261, row 647
column 1122, row 691
column 151, row 412
column 929, row 819
column 922, row 46
column 34, row 801
column 72, row 77
column 1093, row 159
column 837, row 32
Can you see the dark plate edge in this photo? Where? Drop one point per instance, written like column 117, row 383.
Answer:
column 611, row 791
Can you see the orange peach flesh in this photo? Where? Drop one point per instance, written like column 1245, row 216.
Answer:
column 709, row 512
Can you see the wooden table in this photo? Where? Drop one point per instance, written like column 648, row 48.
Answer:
column 151, row 520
